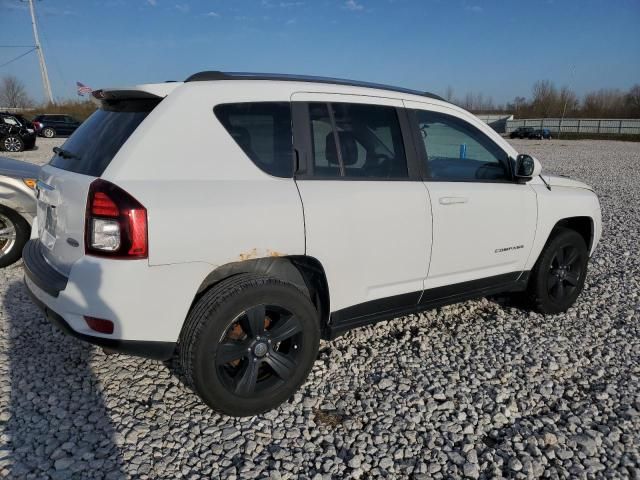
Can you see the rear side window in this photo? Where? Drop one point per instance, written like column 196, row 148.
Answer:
column 94, row 144
column 263, row 131
column 357, row 140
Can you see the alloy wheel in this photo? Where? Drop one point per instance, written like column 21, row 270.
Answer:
column 259, row 350
column 564, row 273
column 7, row 235
column 12, row 144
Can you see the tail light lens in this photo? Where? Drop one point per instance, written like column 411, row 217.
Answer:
column 37, row 125
column 116, row 223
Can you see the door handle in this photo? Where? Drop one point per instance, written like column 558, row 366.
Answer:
column 452, row 200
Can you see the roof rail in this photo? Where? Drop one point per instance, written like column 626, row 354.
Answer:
column 216, row 75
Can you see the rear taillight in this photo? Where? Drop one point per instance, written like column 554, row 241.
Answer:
column 116, row 223
column 37, row 125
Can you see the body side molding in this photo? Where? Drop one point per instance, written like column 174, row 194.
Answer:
column 399, row 305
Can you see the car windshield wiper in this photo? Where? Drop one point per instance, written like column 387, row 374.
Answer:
column 64, row 153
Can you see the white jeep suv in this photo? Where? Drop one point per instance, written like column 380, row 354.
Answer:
column 234, row 220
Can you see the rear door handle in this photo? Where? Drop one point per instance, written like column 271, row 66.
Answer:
column 452, row 200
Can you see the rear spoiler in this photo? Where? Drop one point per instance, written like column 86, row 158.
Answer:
column 123, row 95
column 149, row 91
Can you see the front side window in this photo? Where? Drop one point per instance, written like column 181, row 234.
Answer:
column 357, row 140
column 458, row 151
column 263, row 131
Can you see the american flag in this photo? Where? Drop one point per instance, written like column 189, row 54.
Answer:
column 83, row 89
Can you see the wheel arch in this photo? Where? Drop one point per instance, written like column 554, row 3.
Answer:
column 306, row 273
column 584, row 225
column 16, row 209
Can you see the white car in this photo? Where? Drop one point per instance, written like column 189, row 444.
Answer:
column 17, row 207
column 234, row 220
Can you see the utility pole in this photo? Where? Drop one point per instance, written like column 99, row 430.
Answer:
column 564, row 109
column 43, row 66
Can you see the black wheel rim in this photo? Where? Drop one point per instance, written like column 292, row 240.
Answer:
column 564, row 273
column 259, row 350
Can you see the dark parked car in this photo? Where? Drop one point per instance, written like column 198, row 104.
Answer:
column 541, row 133
column 522, row 132
column 53, row 125
column 16, row 133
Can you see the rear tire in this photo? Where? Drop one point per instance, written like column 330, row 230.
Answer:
column 558, row 276
column 249, row 343
column 48, row 132
column 14, row 233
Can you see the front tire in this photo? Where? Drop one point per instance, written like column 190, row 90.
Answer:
column 48, row 132
column 14, row 233
column 13, row 143
column 559, row 274
column 249, row 343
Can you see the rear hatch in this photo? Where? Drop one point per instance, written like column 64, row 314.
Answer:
column 64, row 183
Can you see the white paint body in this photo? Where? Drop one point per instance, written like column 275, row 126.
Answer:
column 209, row 205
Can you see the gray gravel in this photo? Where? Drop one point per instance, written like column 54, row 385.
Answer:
column 480, row 389
column 41, row 154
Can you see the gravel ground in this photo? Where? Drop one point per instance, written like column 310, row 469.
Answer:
column 41, row 154
column 479, row 389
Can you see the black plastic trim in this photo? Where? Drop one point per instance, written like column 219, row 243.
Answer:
column 410, row 148
column 302, row 138
column 217, row 75
column 138, row 348
column 39, row 271
column 374, row 311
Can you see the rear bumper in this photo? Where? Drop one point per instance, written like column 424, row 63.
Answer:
column 138, row 348
column 48, row 289
column 40, row 272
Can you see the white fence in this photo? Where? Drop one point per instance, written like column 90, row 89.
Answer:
column 496, row 121
column 580, row 125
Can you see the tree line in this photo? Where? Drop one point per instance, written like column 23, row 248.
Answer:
column 13, row 94
column 548, row 101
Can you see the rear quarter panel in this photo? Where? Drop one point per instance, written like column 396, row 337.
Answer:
column 206, row 200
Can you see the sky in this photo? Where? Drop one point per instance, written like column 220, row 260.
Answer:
column 498, row 48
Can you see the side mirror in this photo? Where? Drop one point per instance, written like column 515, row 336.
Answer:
column 527, row 167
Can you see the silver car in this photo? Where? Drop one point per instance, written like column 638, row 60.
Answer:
column 17, row 207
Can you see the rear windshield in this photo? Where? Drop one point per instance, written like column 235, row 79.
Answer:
column 94, row 144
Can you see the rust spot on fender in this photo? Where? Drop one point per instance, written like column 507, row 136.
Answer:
column 255, row 253
column 249, row 255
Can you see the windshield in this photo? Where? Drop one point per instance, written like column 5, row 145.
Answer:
column 97, row 141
